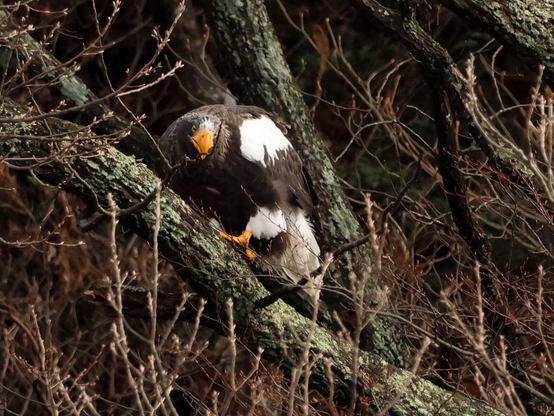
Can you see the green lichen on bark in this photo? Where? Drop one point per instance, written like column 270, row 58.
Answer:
column 525, row 26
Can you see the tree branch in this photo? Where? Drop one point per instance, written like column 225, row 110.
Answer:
column 524, row 28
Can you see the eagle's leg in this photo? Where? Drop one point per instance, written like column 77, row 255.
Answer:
column 242, row 240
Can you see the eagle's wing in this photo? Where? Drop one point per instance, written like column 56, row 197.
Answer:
column 287, row 172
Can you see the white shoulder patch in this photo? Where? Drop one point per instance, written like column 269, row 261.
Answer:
column 260, row 137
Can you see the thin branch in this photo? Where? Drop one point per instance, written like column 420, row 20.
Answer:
column 390, row 209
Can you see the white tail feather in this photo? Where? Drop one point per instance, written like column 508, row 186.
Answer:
column 301, row 256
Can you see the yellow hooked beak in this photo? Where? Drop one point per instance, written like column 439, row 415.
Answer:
column 203, row 140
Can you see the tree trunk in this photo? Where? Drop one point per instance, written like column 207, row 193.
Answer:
column 254, row 62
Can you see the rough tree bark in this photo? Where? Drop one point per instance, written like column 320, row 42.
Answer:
column 255, row 64
column 217, row 273
column 526, row 27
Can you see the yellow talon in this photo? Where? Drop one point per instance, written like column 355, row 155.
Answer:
column 250, row 254
column 242, row 240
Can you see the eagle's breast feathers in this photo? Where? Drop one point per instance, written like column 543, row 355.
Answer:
column 238, row 168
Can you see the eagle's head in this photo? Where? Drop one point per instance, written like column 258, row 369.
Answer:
column 194, row 135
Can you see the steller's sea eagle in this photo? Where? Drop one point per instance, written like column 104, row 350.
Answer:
column 238, row 168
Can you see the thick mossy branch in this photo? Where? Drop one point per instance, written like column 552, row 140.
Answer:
column 217, row 272
column 525, row 27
